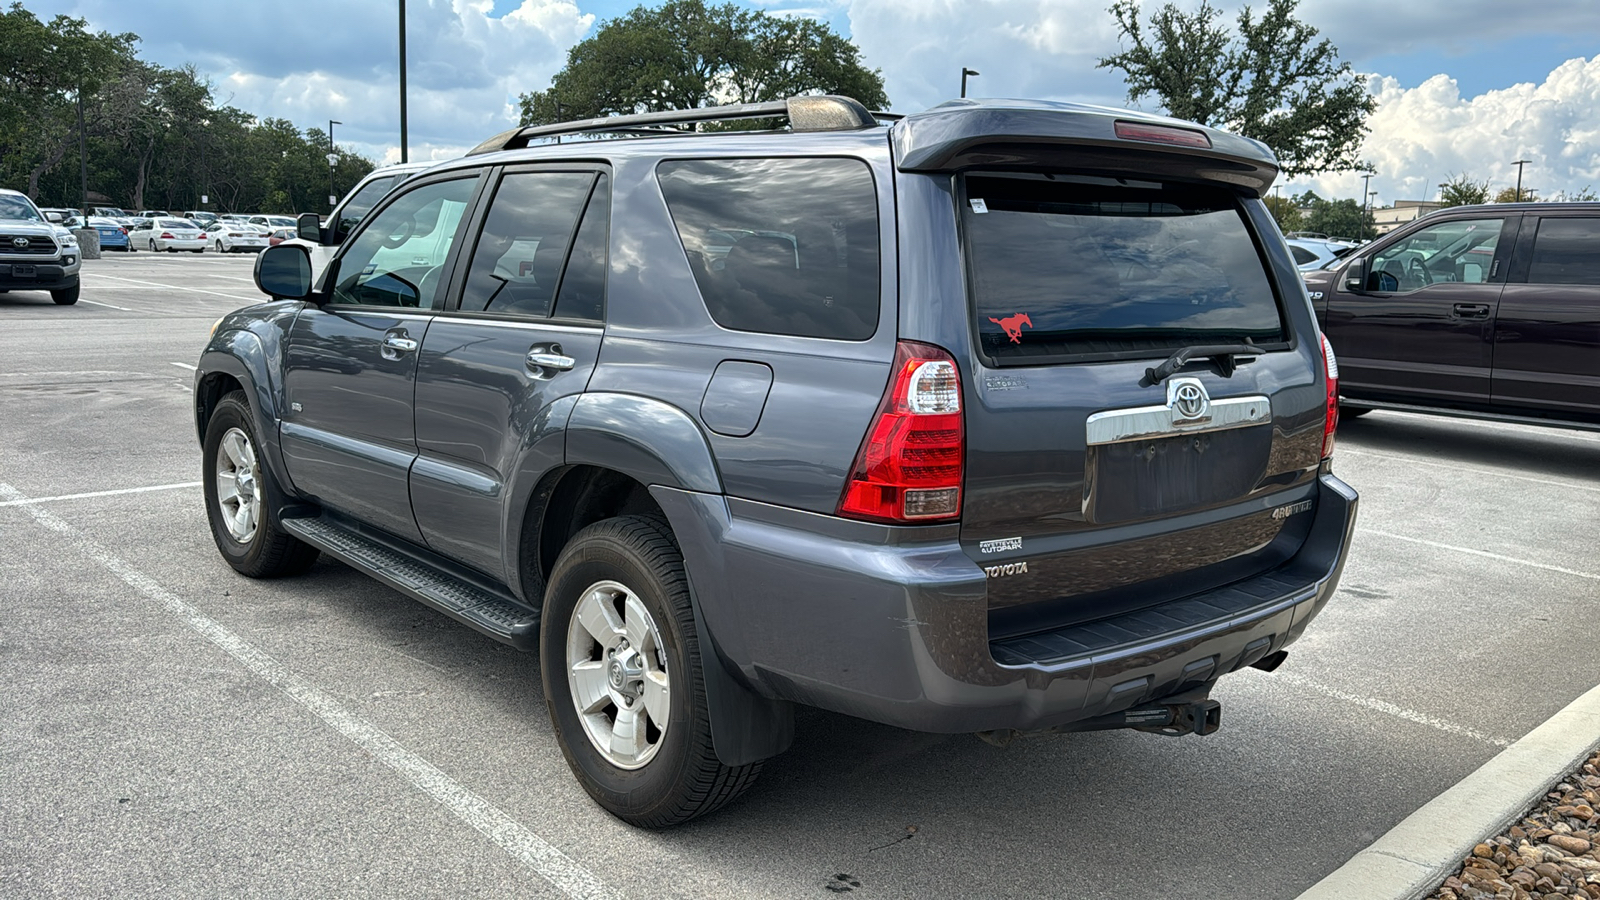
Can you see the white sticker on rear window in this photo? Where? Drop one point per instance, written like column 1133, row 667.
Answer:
column 978, row 206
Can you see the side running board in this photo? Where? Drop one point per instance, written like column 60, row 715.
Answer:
column 495, row 614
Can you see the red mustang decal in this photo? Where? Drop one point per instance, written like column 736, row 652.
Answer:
column 1013, row 326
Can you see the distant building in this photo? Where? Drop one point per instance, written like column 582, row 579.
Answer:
column 1389, row 218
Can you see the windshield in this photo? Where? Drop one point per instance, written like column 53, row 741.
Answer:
column 18, row 208
column 1070, row 266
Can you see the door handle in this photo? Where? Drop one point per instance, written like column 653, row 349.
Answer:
column 547, row 359
column 1472, row 310
column 394, row 345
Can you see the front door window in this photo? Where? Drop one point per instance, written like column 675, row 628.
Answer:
column 398, row 258
column 1459, row 252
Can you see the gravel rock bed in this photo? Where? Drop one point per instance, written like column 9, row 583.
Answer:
column 1550, row 853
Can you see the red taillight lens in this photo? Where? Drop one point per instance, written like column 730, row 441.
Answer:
column 1162, row 134
column 166, row 236
column 909, row 467
column 1330, row 365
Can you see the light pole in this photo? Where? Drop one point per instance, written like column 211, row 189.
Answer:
column 1370, row 195
column 1519, row 164
column 333, row 157
column 964, row 73
column 405, row 155
column 1365, row 180
column 1442, row 186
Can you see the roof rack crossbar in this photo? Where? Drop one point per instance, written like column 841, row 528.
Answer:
column 805, row 113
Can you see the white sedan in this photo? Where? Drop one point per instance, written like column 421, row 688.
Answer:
column 228, row 235
column 168, row 234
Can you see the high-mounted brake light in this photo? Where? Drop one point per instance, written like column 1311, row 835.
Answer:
column 909, row 467
column 1330, row 365
column 1163, row 134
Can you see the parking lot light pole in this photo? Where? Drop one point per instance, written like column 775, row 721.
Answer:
column 1519, row 164
column 333, row 157
column 405, row 155
column 964, row 73
column 1365, row 183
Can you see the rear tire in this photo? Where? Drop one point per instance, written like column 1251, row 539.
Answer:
column 66, row 296
column 237, row 485
column 618, row 629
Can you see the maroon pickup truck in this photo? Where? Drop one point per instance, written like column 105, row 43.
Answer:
column 1480, row 311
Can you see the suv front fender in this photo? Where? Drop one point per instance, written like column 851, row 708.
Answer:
column 648, row 440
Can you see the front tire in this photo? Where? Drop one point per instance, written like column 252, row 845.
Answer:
column 237, row 485
column 623, row 681
column 66, row 296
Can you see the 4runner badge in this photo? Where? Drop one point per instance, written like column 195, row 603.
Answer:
column 1000, row 546
column 1284, row 512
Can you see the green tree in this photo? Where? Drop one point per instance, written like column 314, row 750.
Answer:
column 1463, row 191
column 1340, row 218
column 1273, row 81
column 1583, row 194
column 45, row 67
column 685, row 54
column 1287, row 214
column 1509, row 195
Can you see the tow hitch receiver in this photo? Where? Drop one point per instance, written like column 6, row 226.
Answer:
column 1174, row 719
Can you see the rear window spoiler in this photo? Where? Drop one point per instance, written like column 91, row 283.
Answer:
column 991, row 134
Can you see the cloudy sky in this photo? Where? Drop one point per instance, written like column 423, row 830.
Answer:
column 1465, row 86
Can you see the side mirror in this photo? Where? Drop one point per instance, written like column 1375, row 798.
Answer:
column 1355, row 275
column 308, row 228
column 54, row 217
column 284, row 272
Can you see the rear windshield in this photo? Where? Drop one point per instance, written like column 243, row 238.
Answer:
column 1069, row 267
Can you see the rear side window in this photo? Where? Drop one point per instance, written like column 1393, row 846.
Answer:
column 1566, row 251
column 780, row 246
column 519, row 255
column 1070, row 267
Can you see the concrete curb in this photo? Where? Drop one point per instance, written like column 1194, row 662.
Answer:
column 1420, row 852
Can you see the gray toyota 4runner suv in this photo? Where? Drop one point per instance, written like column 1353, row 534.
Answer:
column 1002, row 417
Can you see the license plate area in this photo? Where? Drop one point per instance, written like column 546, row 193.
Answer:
column 23, row 272
column 1158, row 476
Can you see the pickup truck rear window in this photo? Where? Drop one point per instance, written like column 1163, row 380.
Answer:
column 1074, row 268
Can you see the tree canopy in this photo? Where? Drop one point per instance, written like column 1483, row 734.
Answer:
column 685, row 54
column 1463, row 191
column 155, row 137
column 1272, row 80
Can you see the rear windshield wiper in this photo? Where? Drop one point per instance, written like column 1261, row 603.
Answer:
column 1226, row 356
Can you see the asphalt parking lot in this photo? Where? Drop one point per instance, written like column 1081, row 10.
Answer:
column 172, row 729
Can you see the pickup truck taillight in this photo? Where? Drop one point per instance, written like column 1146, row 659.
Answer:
column 1330, row 366
column 909, row 467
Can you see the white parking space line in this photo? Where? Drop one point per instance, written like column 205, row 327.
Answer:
column 1497, row 473
column 98, row 303
column 1483, row 553
column 537, row 854
column 137, row 490
column 173, row 287
column 186, row 366
column 1390, row 709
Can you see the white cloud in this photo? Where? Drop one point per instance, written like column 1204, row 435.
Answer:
column 1424, row 135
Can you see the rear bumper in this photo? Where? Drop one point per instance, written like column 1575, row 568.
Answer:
column 891, row 624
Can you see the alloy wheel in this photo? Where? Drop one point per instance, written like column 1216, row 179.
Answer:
column 238, row 475
column 616, row 670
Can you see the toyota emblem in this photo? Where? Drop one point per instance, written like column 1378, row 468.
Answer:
column 1188, row 399
column 19, row 242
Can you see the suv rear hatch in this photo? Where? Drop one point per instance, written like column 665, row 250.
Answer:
column 1095, row 481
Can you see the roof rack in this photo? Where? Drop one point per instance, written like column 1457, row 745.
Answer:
column 825, row 112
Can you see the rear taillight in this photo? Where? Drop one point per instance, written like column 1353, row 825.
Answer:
column 167, row 236
column 910, row 464
column 1330, row 365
